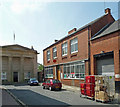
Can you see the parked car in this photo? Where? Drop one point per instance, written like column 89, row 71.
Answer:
column 33, row 81
column 52, row 84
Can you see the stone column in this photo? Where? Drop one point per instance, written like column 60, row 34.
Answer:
column 35, row 66
column 10, row 72
column 21, row 69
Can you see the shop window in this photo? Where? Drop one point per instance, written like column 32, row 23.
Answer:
column 74, row 70
column 49, row 72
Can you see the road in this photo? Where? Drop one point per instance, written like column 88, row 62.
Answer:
column 35, row 95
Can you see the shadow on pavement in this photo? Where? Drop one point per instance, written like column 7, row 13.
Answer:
column 31, row 98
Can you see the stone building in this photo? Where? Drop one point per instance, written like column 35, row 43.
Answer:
column 18, row 64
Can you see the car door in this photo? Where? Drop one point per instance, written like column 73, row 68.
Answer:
column 48, row 83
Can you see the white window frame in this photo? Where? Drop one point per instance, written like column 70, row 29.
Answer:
column 48, row 74
column 3, row 74
column 64, row 47
column 72, row 76
column 74, row 42
column 54, row 51
column 48, row 54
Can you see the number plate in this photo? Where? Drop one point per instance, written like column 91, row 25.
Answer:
column 57, row 87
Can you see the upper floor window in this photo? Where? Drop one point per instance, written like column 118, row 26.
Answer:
column 64, row 49
column 48, row 55
column 54, row 52
column 74, row 45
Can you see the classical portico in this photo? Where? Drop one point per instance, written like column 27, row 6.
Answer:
column 18, row 63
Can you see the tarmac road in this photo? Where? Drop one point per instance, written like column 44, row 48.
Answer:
column 35, row 95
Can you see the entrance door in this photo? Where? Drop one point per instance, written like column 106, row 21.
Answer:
column 15, row 76
column 58, row 76
column 58, row 72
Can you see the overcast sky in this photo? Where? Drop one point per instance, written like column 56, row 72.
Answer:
column 38, row 24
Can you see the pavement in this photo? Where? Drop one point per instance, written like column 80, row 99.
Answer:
column 8, row 99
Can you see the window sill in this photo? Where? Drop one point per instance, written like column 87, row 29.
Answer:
column 54, row 58
column 74, row 78
column 74, row 52
column 73, row 55
column 64, row 57
column 48, row 61
column 48, row 77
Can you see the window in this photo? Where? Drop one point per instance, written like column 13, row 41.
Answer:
column 74, row 45
column 27, row 75
column 48, row 55
column 74, row 70
column 49, row 72
column 54, row 52
column 64, row 49
column 3, row 76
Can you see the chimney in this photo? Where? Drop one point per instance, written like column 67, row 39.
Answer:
column 73, row 30
column 108, row 11
column 56, row 40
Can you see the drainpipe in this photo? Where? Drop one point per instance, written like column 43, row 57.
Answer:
column 89, row 49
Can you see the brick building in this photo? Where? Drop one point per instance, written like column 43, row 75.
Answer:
column 18, row 63
column 105, row 52
column 71, row 58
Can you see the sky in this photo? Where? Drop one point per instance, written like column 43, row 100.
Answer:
column 38, row 23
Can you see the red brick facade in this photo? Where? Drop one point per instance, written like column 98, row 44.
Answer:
column 86, row 49
column 107, row 43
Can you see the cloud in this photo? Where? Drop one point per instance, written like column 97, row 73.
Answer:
column 21, row 6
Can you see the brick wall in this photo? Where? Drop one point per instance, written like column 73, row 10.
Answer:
column 107, row 43
column 80, row 55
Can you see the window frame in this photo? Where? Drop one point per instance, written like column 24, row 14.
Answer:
column 72, row 75
column 48, row 73
column 48, row 59
column 2, row 74
column 73, row 42
column 65, row 48
column 27, row 75
column 54, row 51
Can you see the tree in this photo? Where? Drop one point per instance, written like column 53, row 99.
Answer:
column 40, row 67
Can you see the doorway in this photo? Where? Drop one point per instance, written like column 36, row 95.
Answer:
column 15, row 76
column 58, row 72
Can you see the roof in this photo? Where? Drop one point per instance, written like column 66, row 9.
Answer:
column 77, row 31
column 10, row 46
column 110, row 28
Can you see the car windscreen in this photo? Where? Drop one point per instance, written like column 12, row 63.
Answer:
column 33, row 79
column 56, row 81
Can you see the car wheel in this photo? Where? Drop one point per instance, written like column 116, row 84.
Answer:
column 43, row 87
column 50, row 88
column 60, row 88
